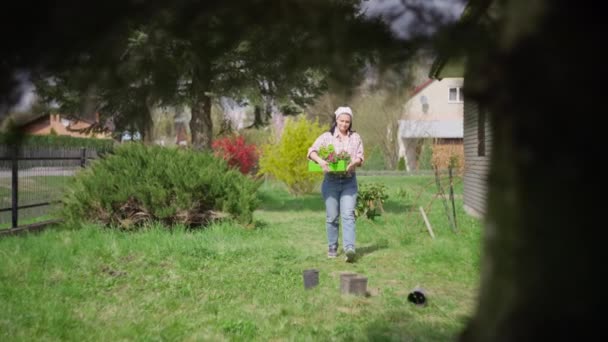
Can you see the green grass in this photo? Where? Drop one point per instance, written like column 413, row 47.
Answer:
column 227, row 283
column 27, row 221
column 32, row 190
column 34, row 186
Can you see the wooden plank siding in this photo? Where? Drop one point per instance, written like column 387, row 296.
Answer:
column 476, row 166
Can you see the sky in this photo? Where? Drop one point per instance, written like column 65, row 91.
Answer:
column 403, row 25
column 27, row 91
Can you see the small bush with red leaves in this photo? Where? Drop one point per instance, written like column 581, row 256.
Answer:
column 235, row 150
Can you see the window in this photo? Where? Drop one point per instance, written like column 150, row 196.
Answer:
column 455, row 95
column 481, row 132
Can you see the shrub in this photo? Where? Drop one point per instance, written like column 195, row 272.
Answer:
column 286, row 160
column 425, row 161
column 401, row 164
column 370, row 200
column 139, row 184
column 236, row 152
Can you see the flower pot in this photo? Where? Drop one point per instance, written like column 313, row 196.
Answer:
column 311, row 278
column 417, row 296
column 339, row 166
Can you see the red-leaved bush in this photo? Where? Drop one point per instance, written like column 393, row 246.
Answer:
column 236, row 152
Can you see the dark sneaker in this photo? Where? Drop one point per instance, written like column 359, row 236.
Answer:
column 350, row 254
column 332, row 252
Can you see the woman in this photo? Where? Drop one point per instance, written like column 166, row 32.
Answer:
column 340, row 188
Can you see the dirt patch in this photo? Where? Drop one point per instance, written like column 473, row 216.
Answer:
column 112, row 272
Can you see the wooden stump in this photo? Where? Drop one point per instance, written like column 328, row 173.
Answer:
column 345, row 281
column 311, row 278
column 352, row 283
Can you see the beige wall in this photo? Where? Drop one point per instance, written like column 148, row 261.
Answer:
column 439, row 108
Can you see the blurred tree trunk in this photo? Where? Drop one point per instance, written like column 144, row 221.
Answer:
column 390, row 146
column 258, row 117
column 201, row 125
column 542, row 253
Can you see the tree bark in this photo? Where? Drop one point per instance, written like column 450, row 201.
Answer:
column 542, row 257
column 257, row 117
column 147, row 129
column 201, row 125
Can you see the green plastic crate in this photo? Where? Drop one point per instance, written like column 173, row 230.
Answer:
column 337, row 166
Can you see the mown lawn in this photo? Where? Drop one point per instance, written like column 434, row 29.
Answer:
column 227, row 283
column 32, row 190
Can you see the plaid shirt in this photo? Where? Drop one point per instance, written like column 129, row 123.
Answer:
column 353, row 144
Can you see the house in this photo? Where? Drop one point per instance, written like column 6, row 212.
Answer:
column 477, row 133
column 477, row 139
column 434, row 111
column 477, row 150
column 57, row 124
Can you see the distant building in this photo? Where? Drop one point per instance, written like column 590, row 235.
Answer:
column 57, row 124
column 435, row 111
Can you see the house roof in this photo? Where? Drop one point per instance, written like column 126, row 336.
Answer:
column 420, row 87
column 430, row 128
column 23, row 119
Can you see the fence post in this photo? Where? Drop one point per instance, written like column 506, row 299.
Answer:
column 452, row 197
column 15, row 185
column 83, row 156
column 443, row 199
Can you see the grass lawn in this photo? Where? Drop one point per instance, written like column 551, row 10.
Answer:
column 32, row 190
column 227, row 283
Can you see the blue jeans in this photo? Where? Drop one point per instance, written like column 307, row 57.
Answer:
column 340, row 195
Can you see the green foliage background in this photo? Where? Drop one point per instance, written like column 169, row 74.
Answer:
column 62, row 141
column 285, row 159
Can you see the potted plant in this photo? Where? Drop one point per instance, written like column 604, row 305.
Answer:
column 337, row 161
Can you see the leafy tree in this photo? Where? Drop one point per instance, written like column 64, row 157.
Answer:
column 168, row 60
column 541, row 253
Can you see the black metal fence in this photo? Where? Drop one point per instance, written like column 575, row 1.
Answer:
column 33, row 179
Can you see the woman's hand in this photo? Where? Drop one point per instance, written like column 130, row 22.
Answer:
column 324, row 165
column 352, row 166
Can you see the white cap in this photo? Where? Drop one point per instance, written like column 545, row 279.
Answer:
column 344, row 110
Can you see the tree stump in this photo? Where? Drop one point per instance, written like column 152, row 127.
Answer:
column 352, row 283
column 311, row 278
